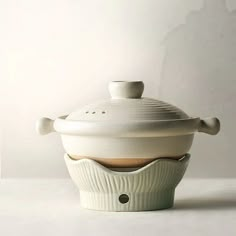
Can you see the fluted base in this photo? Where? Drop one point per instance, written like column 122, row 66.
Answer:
column 151, row 187
column 136, row 202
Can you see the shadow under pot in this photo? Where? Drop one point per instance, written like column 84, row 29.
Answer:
column 127, row 130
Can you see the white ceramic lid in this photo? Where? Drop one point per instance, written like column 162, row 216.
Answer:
column 127, row 104
column 128, row 114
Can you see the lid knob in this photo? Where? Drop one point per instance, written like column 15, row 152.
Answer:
column 126, row 89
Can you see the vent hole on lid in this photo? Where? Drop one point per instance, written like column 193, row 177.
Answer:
column 103, row 112
column 93, row 112
column 123, row 198
column 86, row 112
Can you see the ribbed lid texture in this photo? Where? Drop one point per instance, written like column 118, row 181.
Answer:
column 127, row 104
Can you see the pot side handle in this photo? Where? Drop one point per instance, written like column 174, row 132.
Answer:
column 209, row 125
column 45, row 126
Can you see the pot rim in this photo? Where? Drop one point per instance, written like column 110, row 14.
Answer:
column 135, row 128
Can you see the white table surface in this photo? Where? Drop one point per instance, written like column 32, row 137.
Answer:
column 51, row 207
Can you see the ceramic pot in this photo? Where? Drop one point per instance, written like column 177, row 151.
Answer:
column 127, row 127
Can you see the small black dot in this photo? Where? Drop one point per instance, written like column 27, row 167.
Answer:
column 86, row 112
column 93, row 112
column 123, row 198
column 103, row 112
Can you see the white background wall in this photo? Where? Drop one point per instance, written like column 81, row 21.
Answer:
column 57, row 55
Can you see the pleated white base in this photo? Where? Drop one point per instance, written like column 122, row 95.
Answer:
column 151, row 187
